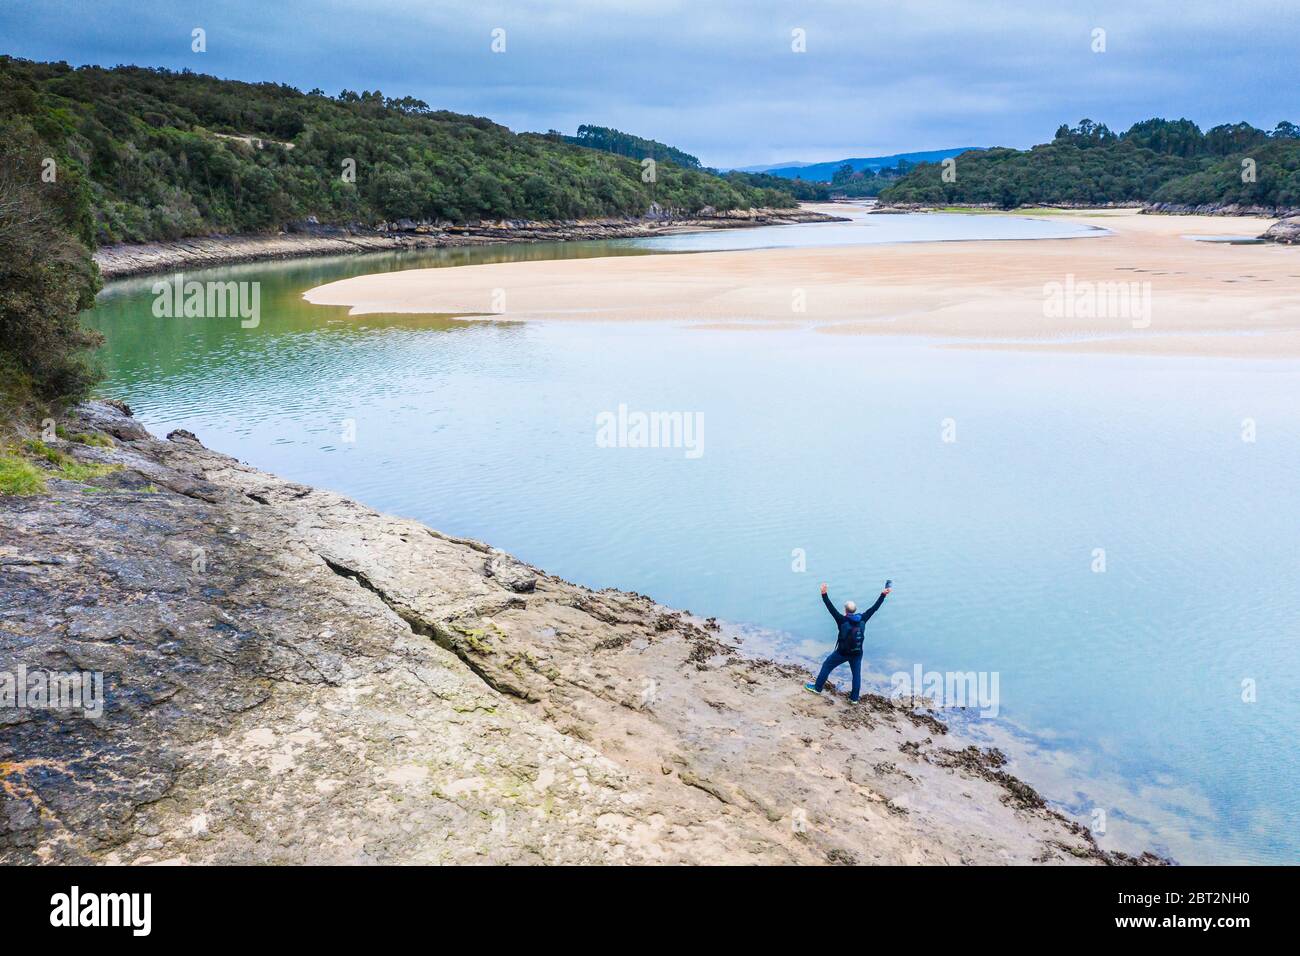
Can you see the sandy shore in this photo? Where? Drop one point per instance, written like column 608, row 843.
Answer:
column 1141, row 287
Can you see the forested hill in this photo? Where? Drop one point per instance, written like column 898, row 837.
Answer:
column 161, row 155
column 625, row 144
column 1155, row 161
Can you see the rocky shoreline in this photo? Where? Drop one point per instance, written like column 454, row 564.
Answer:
column 1286, row 231
column 312, row 239
column 292, row 677
column 1219, row 209
column 900, row 207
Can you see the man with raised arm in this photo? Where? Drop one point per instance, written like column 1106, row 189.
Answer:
column 848, row 645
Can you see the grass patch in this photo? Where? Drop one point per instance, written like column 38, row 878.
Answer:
column 42, row 450
column 68, row 466
column 84, row 438
column 18, row 476
column 77, row 471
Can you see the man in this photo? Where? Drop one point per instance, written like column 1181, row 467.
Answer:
column 848, row 646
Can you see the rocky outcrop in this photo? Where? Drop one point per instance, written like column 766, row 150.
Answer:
column 902, row 207
column 1219, row 209
column 309, row 238
column 292, row 677
column 1285, row 231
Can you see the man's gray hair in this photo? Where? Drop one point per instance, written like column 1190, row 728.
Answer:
column 849, row 607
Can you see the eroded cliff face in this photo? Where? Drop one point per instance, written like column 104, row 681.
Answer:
column 292, row 677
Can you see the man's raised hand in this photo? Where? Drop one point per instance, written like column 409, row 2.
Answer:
column 823, row 589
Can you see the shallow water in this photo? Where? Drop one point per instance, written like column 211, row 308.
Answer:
column 870, row 229
column 1130, row 679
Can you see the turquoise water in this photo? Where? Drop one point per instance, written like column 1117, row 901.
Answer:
column 1120, row 690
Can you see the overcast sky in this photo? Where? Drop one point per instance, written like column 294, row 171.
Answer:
column 719, row 78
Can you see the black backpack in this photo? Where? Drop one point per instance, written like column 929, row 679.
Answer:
column 850, row 642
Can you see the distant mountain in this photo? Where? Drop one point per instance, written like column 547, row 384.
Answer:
column 822, row 172
column 768, row 167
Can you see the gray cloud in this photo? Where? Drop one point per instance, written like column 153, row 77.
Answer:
column 720, row 79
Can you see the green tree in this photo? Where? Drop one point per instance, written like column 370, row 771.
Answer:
column 46, row 278
column 168, row 154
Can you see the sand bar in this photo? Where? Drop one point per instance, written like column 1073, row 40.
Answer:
column 1142, row 288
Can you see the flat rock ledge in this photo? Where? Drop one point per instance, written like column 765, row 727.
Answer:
column 312, row 239
column 292, row 677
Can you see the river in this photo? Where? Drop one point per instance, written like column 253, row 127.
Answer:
column 1092, row 530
